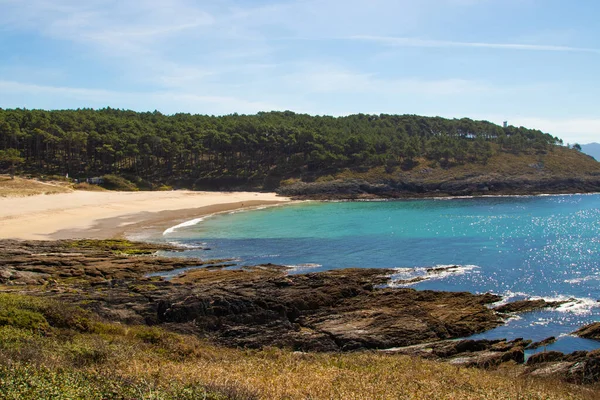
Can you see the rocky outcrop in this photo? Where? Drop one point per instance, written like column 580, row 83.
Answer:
column 465, row 186
column 87, row 261
column 579, row 367
column 251, row 307
column 471, row 353
column 591, row 331
column 528, row 305
column 332, row 311
column 541, row 343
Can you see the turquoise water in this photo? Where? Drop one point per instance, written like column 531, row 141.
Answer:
column 517, row 247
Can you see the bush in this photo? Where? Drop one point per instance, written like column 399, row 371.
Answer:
column 115, row 182
column 88, row 187
column 23, row 319
column 27, row 312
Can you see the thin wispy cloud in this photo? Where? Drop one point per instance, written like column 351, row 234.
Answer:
column 416, row 42
column 51, row 97
column 315, row 56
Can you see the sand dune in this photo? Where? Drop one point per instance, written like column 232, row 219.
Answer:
column 114, row 214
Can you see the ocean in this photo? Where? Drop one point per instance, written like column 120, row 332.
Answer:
column 520, row 247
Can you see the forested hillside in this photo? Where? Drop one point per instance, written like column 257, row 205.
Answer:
column 266, row 150
column 257, row 149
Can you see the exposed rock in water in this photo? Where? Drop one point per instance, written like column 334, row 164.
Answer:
column 541, row 343
column 591, row 331
column 528, row 305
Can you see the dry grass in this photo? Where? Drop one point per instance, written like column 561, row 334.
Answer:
column 20, row 187
column 559, row 163
column 106, row 360
column 279, row 374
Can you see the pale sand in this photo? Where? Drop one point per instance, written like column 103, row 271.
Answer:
column 102, row 215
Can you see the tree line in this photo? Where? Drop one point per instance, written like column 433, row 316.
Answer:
column 158, row 148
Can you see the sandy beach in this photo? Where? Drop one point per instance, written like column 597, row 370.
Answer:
column 101, row 215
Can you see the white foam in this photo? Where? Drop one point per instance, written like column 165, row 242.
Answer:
column 191, row 222
column 583, row 279
column 187, row 245
column 420, row 274
column 573, row 305
column 509, row 296
column 301, row 267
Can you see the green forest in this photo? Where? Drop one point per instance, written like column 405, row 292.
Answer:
column 257, row 149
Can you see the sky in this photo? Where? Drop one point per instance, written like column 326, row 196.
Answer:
column 533, row 63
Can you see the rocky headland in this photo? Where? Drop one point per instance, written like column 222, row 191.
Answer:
column 411, row 187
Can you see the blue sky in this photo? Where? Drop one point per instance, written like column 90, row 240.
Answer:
column 531, row 62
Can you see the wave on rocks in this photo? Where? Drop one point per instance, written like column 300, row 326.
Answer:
column 409, row 276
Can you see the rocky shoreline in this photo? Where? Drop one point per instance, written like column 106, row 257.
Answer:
column 354, row 189
column 262, row 306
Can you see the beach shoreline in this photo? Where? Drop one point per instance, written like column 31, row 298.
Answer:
column 105, row 215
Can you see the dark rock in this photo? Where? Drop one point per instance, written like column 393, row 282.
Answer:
column 541, row 343
column 546, row 356
column 591, row 331
column 527, row 305
column 574, row 369
column 421, row 186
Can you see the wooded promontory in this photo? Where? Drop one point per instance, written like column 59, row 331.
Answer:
column 273, row 150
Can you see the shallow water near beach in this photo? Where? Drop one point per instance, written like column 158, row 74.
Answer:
column 518, row 247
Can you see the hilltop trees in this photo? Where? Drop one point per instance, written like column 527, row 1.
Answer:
column 241, row 148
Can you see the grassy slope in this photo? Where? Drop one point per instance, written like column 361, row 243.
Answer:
column 20, row 187
column 54, row 351
column 559, row 163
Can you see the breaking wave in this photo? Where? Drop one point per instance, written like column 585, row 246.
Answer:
column 410, row 276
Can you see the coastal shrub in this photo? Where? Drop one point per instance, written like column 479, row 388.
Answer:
column 115, row 182
column 87, row 351
column 151, row 335
column 27, row 382
column 325, row 178
column 29, row 312
column 88, row 187
column 67, row 317
column 23, row 319
column 18, row 312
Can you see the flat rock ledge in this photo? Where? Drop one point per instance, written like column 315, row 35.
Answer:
column 580, row 367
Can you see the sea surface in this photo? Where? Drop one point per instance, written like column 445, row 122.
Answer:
column 518, row 247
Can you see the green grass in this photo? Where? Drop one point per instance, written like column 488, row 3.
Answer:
column 116, row 246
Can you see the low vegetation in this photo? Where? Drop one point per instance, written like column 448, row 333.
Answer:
column 50, row 350
column 20, row 187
